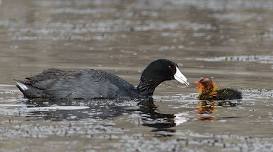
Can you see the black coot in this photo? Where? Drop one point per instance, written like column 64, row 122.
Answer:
column 91, row 84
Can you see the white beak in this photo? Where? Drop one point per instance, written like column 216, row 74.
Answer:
column 180, row 77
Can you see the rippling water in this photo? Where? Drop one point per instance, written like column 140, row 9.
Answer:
column 225, row 39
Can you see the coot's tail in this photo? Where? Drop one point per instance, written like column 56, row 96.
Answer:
column 29, row 91
column 22, row 87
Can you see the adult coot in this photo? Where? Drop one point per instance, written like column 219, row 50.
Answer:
column 90, row 83
column 209, row 91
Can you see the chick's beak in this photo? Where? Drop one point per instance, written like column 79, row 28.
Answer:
column 180, row 77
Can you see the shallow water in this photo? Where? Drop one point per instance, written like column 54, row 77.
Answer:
column 225, row 39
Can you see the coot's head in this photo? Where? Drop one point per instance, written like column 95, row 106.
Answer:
column 162, row 70
column 206, row 85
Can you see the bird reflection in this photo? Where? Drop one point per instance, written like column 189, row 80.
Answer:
column 160, row 122
column 205, row 110
column 105, row 109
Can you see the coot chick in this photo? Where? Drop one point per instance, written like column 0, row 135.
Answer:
column 97, row 84
column 208, row 91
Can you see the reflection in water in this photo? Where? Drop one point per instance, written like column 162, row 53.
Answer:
column 205, row 110
column 82, row 109
column 104, row 109
column 162, row 123
column 152, row 118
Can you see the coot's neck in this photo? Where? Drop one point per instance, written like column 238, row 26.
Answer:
column 146, row 88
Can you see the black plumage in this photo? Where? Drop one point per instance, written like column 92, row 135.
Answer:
column 90, row 83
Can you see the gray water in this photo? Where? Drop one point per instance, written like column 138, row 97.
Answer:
column 228, row 40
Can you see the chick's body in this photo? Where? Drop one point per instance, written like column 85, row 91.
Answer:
column 208, row 91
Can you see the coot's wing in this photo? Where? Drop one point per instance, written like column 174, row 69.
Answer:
column 56, row 83
column 45, row 79
column 83, row 84
column 35, row 86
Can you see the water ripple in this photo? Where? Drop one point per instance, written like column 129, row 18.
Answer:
column 266, row 59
